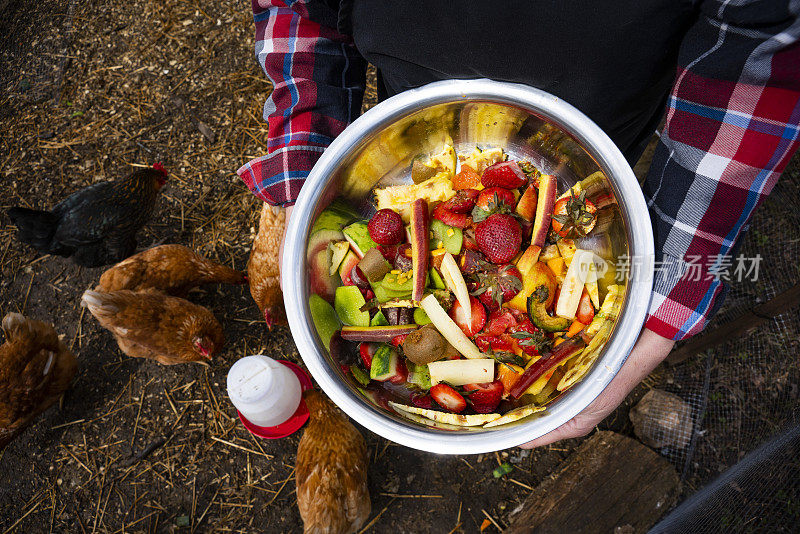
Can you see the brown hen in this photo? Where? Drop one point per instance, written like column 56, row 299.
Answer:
column 331, row 471
column 173, row 269
column 263, row 267
column 150, row 324
column 35, row 369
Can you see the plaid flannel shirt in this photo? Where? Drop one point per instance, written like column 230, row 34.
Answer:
column 732, row 124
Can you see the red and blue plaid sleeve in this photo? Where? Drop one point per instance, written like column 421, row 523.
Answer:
column 732, row 126
column 318, row 81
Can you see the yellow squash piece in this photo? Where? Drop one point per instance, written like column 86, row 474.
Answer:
column 515, row 415
column 428, row 422
column 609, row 310
column 448, row 418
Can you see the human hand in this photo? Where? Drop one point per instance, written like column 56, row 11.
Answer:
column 283, row 239
column 650, row 350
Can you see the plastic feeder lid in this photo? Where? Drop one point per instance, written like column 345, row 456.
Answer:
column 295, row 422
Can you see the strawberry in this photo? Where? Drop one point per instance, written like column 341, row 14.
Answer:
column 463, row 201
column 499, row 321
column 530, row 339
column 585, row 309
column 386, row 227
column 487, row 201
column 504, row 174
column 471, row 261
column 499, row 237
column 574, row 216
column 458, row 315
column 367, row 350
column 451, row 218
column 421, row 400
column 448, row 398
column 484, row 398
column 499, row 287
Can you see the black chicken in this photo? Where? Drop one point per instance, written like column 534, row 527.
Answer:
column 96, row 225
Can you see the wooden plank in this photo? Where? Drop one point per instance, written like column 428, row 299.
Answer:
column 740, row 326
column 610, row 481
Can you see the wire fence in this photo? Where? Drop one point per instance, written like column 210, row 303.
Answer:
column 745, row 391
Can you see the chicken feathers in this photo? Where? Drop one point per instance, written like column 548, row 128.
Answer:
column 263, row 267
column 96, row 225
column 174, row 269
column 331, row 471
column 35, row 369
column 149, row 324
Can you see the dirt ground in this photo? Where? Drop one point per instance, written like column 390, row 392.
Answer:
column 90, row 89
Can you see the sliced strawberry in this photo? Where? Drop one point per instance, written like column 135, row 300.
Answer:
column 585, row 309
column 499, row 237
column 401, row 374
column 459, row 315
column 421, row 400
column 499, row 321
column 386, row 227
column 399, row 340
column 367, row 350
column 495, row 196
column 448, row 398
column 462, row 202
column 484, row 398
column 492, row 343
column 450, row 218
column 504, row 174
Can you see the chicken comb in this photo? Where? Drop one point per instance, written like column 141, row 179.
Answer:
column 160, row 168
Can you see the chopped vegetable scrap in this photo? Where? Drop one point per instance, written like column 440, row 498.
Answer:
column 473, row 297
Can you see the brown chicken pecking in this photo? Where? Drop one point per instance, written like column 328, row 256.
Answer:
column 149, row 324
column 96, row 225
column 35, row 369
column 331, row 471
column 173, row 269
column 263, row 267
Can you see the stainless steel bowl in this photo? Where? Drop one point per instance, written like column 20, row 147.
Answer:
column 528, row 123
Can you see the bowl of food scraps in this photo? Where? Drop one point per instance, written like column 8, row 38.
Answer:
column 465, row 268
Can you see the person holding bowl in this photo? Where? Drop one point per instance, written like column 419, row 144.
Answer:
column 724, row 74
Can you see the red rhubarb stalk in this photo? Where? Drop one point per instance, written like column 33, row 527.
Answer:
column 420, row 229
column 562, row 352
column 376, row 333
